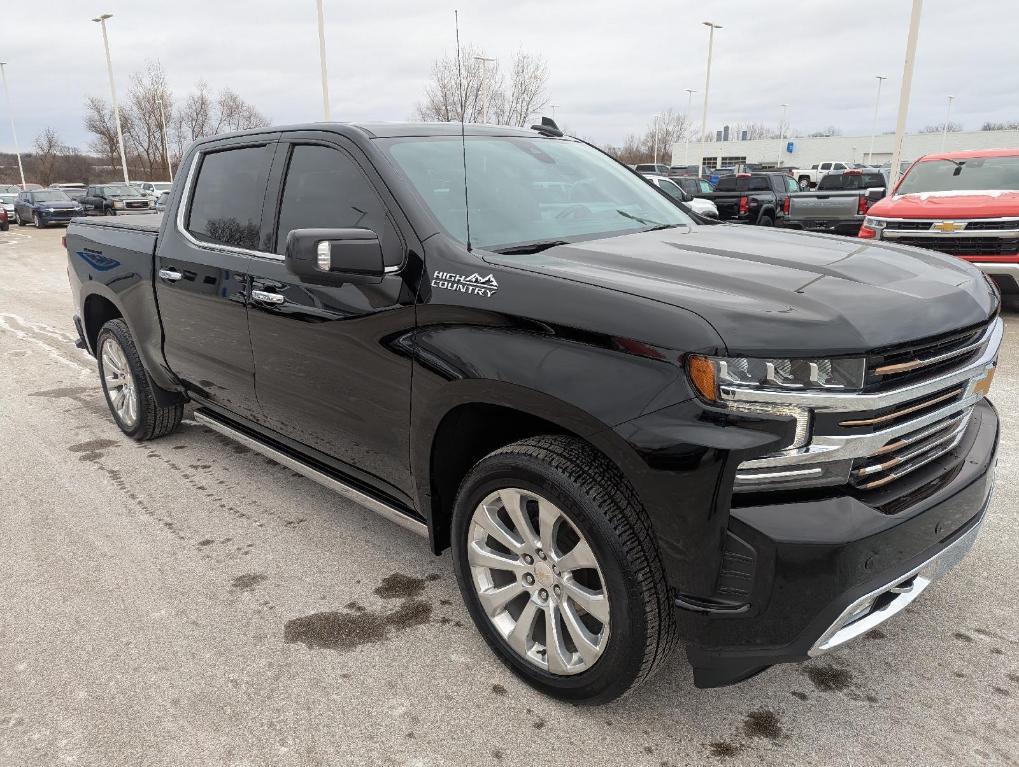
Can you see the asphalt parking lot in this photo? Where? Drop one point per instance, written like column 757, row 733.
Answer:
column 166, row 603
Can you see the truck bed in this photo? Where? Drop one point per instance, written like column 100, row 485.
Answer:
column 145, row 222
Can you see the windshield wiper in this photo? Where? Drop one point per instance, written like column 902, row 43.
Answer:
column 638, row 219
column 531, row 247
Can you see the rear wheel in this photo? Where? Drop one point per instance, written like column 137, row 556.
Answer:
column 766, row 221
column 127, row 388
column 557, row 564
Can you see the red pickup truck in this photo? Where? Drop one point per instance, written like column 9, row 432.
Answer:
column 965, row 204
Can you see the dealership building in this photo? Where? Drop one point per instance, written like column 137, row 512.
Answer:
column 801, row 152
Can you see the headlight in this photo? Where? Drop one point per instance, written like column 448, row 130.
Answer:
column 118, row 204
column 47, row 210
column 709, row 374
column 873, row 223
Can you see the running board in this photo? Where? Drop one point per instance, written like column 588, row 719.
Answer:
column 353, row 494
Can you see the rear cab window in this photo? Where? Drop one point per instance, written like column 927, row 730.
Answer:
column 226, row 202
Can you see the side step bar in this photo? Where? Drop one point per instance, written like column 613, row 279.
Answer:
column 379, row 507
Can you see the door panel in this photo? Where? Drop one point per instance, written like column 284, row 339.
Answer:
column 329, row 370
column 202, row 277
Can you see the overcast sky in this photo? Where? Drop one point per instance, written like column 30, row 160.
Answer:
column 613, row 64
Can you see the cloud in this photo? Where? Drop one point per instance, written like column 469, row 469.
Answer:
column 612, row 64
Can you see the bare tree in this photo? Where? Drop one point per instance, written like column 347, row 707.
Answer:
column 477, row 92
column 200, row 114
column 953, row 127
column 49, row 150
column 529, row 89
column 1010, row 125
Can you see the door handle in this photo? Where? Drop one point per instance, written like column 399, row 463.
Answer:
column 266, row 297
column 170, row 274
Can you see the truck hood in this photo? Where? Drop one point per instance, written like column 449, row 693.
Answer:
column 774, row 292
column 958, row 204
column 56, row 204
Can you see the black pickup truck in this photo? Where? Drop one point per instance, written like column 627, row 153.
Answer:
column 753, row 198
column 631, row 428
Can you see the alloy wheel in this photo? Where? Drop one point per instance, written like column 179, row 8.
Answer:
column 538, row 581
column 119, row 383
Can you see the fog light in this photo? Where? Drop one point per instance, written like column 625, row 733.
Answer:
column 325, row 259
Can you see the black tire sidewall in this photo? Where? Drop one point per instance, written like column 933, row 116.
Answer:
column 116, row 330
column 620, row 663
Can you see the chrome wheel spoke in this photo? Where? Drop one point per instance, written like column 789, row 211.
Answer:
column 488, row 519
column 494, row 600
column 522, row 636
column 513, row 501
column 580, row 557
column 482, row 556
column 548, row 519
column 586, row 642
column 556, row 654
column 593, row 602
column 119, row 383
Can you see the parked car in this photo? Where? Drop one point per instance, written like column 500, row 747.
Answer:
column 9, row 188
column 652, row 167
column 7, row 200
column 699, row 206
column 693, row 185
column 965, row 204
column 719, row 173
column 74, row 191
column 162, row 201
column 839, row 204
column 683, row 170
column 152, row 188
column 4, row 220
column 43, row 207
column 115, row 199
column 808, row 178
column 629, row 427
column 753, row 198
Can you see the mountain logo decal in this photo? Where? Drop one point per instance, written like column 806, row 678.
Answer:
column 473, row 284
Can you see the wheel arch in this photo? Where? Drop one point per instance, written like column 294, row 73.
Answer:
column 473, row 418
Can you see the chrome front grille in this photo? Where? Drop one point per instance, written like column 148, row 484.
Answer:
column 896, row 366
column 868, row 440
column 907, row 453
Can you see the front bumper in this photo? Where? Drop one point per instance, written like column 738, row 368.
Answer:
column 822, row 571
column 1004, row 273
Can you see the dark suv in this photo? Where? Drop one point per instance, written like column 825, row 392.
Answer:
column 44, row 207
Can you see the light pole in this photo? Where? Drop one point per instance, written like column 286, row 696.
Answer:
column 707, row 84
column 166, row 140
column 948, row 115
column 101, row 20
column 686, row 119
column 656, row 138
column 485, row 61
column 907, row 83
column 322, row 60
column 10, row 113
column 781, row 132
column 873, row 126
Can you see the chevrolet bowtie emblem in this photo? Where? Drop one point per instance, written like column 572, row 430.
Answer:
column 947, row 227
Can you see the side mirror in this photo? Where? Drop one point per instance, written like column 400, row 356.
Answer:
column 335, row 256
column 687, row 197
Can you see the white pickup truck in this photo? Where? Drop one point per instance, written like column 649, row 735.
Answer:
column 808, row 178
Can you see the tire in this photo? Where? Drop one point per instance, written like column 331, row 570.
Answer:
column 17, row 219
column 804, row 184
column 765, row 221
column 150, row 420
column 37, row 220
column 564, row 476
column 4, row 226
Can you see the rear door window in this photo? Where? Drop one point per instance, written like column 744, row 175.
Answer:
column 226, row 205
column 759, row 184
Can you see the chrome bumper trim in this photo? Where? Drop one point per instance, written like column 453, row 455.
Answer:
column 905, row 588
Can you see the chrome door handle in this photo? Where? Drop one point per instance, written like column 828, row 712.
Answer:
column 267, row 298
column 170, row 274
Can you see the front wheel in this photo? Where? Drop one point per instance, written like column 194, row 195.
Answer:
column 37, row 220
column 558, row 566
column 127, row 388
column 17, row 219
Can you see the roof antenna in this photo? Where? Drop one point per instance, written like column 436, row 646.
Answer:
column 463, row 140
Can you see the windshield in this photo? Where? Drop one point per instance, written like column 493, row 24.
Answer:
column 7, row 199
column 974, row 174
column 121, row 190
column 52, row 195
column 525, row 190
